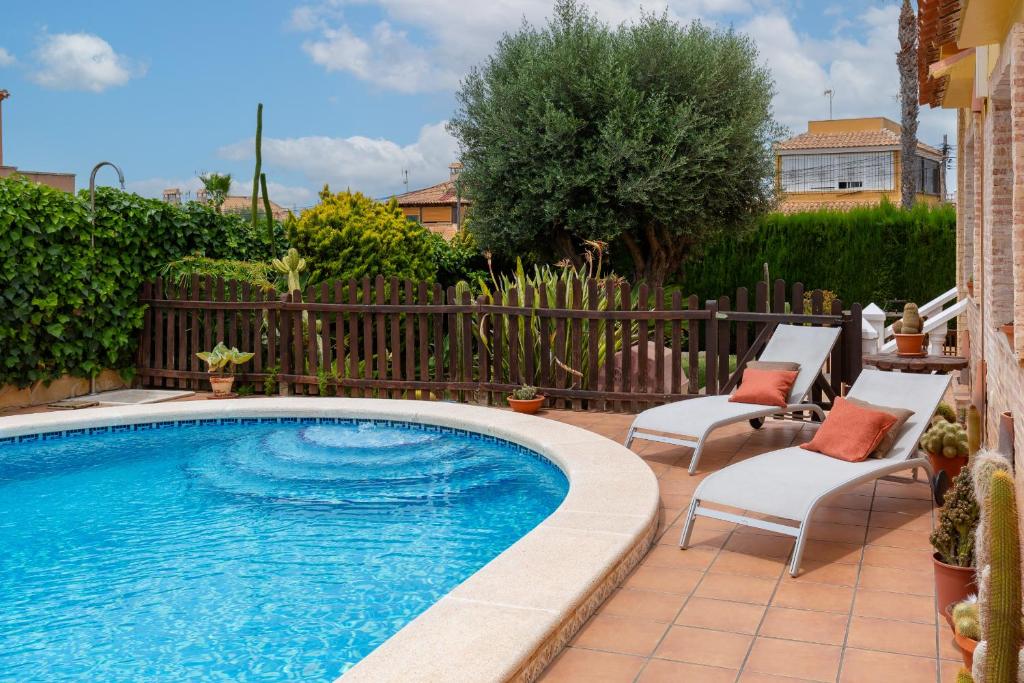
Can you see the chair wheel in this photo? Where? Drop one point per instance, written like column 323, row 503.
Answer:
column 757, row 422
column 940, row 484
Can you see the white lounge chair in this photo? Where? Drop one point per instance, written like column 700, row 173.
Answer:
column 689, row 422
column 792, row 482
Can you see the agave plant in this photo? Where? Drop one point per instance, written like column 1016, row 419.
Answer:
column 221, row 356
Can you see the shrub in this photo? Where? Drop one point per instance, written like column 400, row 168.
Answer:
column 66, row 308
column 457, row 259
column 882, row 254
column 348, row 235
column 256, row 273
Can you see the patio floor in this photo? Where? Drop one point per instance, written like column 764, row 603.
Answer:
column 862, row 608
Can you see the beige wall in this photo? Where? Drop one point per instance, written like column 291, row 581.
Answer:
column 60, row 181
column 12, row 397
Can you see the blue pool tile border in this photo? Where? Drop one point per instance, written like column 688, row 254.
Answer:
column 234, row 421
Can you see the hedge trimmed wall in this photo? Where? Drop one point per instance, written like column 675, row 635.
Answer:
column 53, row 286
column 881, row 254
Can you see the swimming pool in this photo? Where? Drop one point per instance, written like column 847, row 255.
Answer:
column 245, row 548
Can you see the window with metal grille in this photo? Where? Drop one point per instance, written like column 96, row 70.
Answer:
column 837, row 171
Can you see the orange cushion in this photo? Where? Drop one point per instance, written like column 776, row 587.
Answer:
column 765, row 387
column 850, row 432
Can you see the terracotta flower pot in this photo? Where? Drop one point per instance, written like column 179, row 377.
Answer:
column 1008, row 331
column 529, row 406
column 222, row 384
column 952, row 584
column 951, row 466
column 966, row 645
column 970, row 288
column 910, row 344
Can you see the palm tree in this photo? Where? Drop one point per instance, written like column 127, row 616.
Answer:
column 217, row 186
column 906, row 61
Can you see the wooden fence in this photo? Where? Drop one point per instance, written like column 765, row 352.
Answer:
column 391, row 338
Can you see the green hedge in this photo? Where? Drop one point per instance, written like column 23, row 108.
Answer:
column 53, row 286
column 882, row 254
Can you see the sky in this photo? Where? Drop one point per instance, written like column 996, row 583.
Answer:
column 354, row 91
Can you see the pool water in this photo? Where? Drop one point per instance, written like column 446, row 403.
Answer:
column 241, row 552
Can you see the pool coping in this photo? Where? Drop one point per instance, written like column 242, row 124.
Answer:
column 508, row 620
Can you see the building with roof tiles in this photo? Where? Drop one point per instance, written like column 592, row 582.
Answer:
column 440, row 208
column 971, row 60
column 841, row 164
column 241, row 204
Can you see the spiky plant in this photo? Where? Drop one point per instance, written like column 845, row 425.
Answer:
column 953, row 538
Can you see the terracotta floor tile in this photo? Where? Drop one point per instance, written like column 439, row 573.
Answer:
column 736, row 588
column 625, row 635
column 828, row 628
column 827, row 551
column 819, row 596
column 901, row 637
column 909, row 489
column 762, row 545
column 829, row 572
column 665, row 671
column 898, row 538
column 748, row 565
column 948, row 671
column 883, row 605
column 640, row 604
column 863, row 666
column 947, row 645
column 700, row 537
column 756, row 677
column 904, row 505
column 664, row 579
column 720, row 615
column 841, row 533
column 896, row 580
column 841, row 515
column 672, row 556
column 574, row 665
column 899, row 558
column 701, row 646
column 921, row 521
column 809, row 661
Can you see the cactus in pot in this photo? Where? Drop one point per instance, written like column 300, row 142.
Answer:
column 526, row 399
column 909, row 332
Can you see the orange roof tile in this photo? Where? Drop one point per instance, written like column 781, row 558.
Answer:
column 872, row 138
column 442, row 193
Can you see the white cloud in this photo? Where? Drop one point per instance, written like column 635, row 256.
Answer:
column 456, row 34
column 6, row 58
column 82, row 61
column 371, row 165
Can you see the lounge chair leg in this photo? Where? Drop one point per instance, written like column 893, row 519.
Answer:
column 816, row 409
column 695, row 458
column 798, row 549
column 691, row 515
column 629, row 436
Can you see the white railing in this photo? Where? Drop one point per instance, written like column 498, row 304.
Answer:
column 877, row 338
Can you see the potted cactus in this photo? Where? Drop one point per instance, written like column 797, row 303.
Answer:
column 945, row 443
column 965, row 617
column 526, row 400
column 953, row 540
column 219, row 358
column 908, row 330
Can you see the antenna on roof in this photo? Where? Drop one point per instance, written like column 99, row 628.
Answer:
column 829, row 94
column 405, row 178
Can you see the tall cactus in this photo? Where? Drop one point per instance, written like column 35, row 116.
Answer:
column 259, row 164
column 1003, row 602
column 267, row 211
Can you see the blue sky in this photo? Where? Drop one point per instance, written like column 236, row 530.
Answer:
column 354, row 91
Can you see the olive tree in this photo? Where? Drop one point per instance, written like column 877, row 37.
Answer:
column 651, row 136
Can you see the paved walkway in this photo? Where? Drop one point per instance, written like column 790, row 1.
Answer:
column 727, row 610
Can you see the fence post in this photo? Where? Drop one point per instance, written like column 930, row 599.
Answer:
column 852, row 322
column 711, row 349
column 284, row 347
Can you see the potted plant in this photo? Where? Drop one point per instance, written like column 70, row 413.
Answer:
column 1007, row 329
column 526, row 400
column 970, row 287
column 908, row 330
column 965, row 617
column 953, row 540
column 945, row 443
column 217, row 360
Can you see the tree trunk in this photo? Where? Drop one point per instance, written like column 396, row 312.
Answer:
column 656, row 254
column 906, row 61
